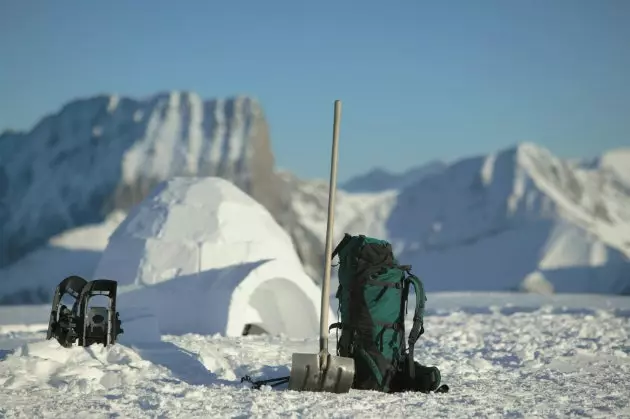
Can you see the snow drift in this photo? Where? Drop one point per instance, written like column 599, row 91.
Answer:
column 77, row 368
column 206, row 258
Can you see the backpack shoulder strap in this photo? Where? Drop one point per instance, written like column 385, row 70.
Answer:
column 418, row 327
column 346, row 239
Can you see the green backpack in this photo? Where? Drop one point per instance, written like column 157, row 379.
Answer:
column 372, row 294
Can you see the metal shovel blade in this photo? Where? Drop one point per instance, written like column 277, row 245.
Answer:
column 307, row 373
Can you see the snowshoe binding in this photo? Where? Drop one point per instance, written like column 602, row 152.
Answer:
column 82, row 323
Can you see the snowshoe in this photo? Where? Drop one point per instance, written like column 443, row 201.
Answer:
column 83, row 323
column 62, row 324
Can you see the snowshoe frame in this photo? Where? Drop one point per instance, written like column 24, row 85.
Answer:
column 87, row 326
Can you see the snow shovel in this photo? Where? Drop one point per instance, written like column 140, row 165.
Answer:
column 324, row 372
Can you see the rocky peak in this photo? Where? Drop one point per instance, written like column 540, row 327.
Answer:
column 107, row 152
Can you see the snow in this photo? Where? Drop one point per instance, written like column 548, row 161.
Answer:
column 503, row 355
column 617, row 162
column 482, row 223
column 202, row 256
column 75, row 251
column 486, row 223
column 536, row 282
column 380, row 180
column 106, row 152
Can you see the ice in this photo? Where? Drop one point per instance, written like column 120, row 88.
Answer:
column 204, row 257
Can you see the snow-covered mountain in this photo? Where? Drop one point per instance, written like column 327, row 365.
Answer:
column 614, row 162
column 518, row 217
column 105, row 153
column 307, row 202
column 379, row 180
column 77, row 251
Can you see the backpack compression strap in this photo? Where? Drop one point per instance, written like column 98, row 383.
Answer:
column 418, row 328
column 346, row 239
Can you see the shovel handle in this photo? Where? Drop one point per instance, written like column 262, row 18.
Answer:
column 332, row 189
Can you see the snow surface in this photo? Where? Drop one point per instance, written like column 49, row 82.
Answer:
column 202, row 256
column 503, row 355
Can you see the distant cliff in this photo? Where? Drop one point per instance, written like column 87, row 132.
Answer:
column 105, row 153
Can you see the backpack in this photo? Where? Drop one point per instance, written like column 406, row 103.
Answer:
column 372, row 294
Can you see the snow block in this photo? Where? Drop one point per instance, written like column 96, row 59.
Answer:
column 203, row 257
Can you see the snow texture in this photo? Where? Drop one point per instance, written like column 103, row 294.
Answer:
column 504, row 355
column 204, row 257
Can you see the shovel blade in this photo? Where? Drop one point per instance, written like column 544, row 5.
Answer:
column 307, row 373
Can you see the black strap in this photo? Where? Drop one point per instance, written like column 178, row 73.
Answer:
column 271, row 381
column 384, row 284
column 395, row 326
column 346, row 239
column 418, row 328
column 337, row 325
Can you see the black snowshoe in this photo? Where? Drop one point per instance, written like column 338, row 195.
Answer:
column 83, row 324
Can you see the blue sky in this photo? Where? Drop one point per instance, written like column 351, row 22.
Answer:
column 419, row 80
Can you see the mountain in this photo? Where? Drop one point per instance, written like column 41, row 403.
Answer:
column 105, row 153
column 307, row 208
column 379, row 180
column 77, row 251
column 519, row 218
column 500, row 222
column 613, row 162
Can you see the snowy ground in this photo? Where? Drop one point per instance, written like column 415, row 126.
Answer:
column 503, row 356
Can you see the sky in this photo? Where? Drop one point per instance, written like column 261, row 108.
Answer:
column 419, row 80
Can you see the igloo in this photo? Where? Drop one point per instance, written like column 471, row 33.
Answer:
column 204, row 257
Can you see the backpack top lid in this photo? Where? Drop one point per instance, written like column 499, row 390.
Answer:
column 350, row 246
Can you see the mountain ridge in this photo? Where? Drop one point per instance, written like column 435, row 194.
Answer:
column 498, row 219
column 379, row 179
column 105, row 153
column 531, row 211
